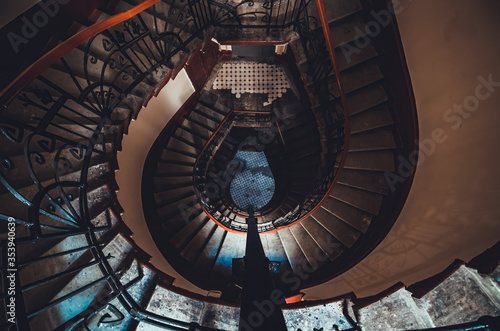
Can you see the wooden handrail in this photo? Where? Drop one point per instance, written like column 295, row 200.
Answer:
column 34, row 70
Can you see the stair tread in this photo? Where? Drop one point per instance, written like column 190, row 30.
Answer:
column 353, row 216
column 175, row 204
column 207, row 257
column 370, row 119
column 366, row 98
column 366, row 180
column 371, row 160
column 364, row 200
column 233, row 247
column 372, row 140
column 312, row 251
column 193, row 249
column 191, row 226
column 274, row 250
column 324, row 239
column 344, row 233
column 294, row 253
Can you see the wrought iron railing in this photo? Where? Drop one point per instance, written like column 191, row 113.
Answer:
column 268, row 14
column 60, row 127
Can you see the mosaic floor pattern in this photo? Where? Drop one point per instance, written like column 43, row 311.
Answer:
column 254, row 184
column 252, row 77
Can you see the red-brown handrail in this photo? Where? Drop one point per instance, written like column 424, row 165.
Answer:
column 34, row 70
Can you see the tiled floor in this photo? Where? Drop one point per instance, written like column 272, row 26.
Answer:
column 252, row 77
column 253, row 185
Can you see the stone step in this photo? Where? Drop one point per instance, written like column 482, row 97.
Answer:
column 69, row 300
column 467, row 302
column 364, row 200
column 294, row 253
column 372, row 181
column 174, row 203
column 370, row 119
column 371, row 160
column 179, row 144
column 334, row 314
column 194, row 248
column 396, row 311
column 168, row 302
column 315, row 256
column 210, row 252
column 233, row 247
column 330, row 246
column 43, row 166
column 142, row 60
column 192, row 225
column 173, row 195
column 273, row 248
column 380, row 139
column 344, row 233
column 353, row 216
column 140, row 283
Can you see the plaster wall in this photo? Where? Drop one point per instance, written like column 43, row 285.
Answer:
column 136, row 145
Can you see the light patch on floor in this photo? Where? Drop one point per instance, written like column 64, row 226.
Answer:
column 252, row 77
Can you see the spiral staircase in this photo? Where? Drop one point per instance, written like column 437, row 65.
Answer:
column 336, row 133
